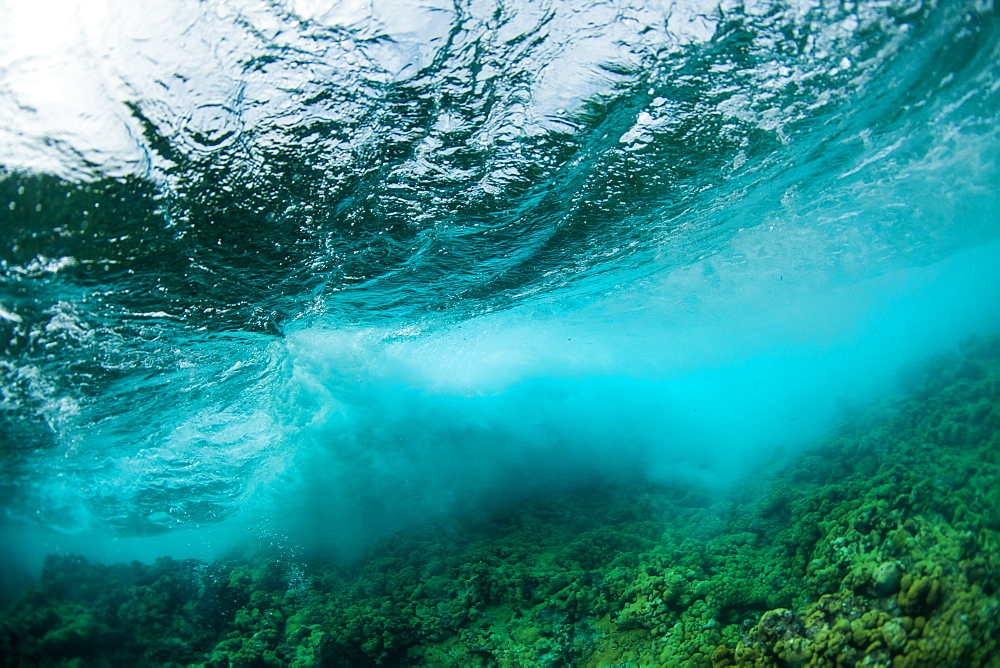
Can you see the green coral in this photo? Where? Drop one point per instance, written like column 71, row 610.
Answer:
column 879, row 546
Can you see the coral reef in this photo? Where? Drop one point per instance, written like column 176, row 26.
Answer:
column 879, row 546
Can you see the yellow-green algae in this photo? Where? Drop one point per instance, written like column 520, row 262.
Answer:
column 875, row 547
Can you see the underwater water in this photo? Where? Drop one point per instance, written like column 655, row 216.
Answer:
column 500, row 333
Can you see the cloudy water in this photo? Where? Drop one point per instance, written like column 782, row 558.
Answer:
column 310, row 273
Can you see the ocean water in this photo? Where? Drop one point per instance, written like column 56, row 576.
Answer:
column 303, row 276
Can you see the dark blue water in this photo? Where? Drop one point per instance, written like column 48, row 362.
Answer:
column 272, row 271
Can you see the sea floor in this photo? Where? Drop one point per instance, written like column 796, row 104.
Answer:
column 878, row 546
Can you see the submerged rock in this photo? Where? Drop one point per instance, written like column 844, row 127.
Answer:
column 888, row 567
column 887, row 578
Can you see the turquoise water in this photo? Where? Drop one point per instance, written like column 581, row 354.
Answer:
column 282, row 274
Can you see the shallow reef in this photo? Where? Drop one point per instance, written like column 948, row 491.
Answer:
column 879, row 546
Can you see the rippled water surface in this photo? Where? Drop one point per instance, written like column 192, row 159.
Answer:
column 323, row 270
